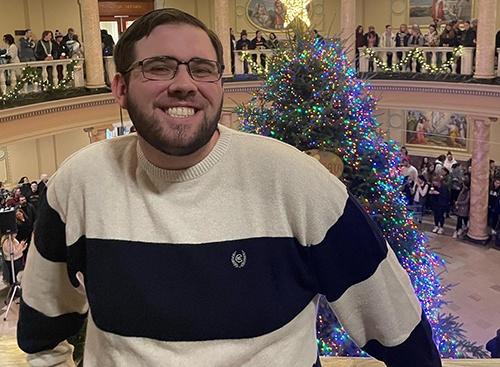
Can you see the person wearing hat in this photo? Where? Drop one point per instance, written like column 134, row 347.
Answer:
column 60, row 52
column 243, row 44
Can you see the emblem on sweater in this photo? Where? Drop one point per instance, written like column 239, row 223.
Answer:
column 239, row 259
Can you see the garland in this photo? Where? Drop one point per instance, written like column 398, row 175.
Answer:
column 418, row 55
column 33, row 75
column 255, row 67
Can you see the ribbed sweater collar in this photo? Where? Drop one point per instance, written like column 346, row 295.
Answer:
column 193, row 172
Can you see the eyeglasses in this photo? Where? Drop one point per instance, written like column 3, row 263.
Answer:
column 165, row 68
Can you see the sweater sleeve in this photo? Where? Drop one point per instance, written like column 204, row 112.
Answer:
column 53, row 305
column 371, row 293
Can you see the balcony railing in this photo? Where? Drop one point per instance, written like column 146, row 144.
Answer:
column 399, row 59
column 246, row 62
column 44, row 72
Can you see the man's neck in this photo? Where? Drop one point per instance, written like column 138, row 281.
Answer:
column 171, row 162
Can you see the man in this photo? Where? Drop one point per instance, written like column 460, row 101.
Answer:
column 27, row 47
column 259, row 43
column 244, row 44
column 407, row 170
column 207, row 252
column 388, row 39
column 468, row 38
column 493, row 346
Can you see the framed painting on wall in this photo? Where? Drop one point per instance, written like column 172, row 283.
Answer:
column 438, row 130
column 425, row 12
column 266, row 14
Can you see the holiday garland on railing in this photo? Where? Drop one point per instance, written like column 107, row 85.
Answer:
column 255, row 67
column 419, row 56
column 33, row 75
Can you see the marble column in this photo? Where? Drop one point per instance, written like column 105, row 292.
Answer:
column 478, row 225
column 348, row 28
column 94, row 69
column 485, row 46
column 222, row 29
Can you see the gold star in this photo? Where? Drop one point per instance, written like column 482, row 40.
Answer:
column 296, row 9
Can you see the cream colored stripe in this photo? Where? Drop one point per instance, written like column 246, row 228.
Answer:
column 383, row 307
column 47, row 289
column 291, row 345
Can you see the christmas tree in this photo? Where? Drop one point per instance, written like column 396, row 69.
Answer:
column 312, row 99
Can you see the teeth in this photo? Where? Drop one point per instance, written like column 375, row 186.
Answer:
column 180, row 111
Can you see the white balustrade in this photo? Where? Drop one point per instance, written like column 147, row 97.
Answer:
column 257, row 57
column 498, row 62
column 433, row 56
column 109, row 69
column 51, row 71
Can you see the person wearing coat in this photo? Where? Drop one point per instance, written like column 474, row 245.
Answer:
column 462, row 207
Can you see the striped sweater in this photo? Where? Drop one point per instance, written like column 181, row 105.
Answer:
column 220, row 264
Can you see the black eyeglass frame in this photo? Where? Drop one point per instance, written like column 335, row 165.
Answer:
column 220, row 67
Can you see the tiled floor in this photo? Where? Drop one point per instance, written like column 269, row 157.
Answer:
column 474, row 269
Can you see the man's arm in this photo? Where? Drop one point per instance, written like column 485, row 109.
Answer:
column 371, row 293
column 53, row 305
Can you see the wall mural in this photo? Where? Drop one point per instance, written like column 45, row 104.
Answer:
column 425, row 12
column 447, row 130
column 267, row 14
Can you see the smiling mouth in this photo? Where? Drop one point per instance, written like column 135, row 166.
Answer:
column 180, row 112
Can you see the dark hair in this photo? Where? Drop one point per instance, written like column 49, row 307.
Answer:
column 387, row 26
column 124, row 53
column 45, row 33
column 22, row 179
column 9, row 39
column 422, row 177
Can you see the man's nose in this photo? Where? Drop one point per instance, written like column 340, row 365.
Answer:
column 182, row 84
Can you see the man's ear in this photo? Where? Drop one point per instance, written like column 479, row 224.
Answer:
column 119, row 89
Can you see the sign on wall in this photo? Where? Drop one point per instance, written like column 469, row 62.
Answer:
column 425, row 12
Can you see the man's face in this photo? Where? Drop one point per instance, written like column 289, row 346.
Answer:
column 388, row 29
column 22, row 201
column 177, row 116
column 34, row 186
column 259, row 34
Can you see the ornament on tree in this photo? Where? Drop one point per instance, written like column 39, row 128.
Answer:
column 330, row 160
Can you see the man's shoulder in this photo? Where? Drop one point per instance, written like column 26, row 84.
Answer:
column 97, row 155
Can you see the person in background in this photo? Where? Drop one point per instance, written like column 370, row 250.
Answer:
column 388, row 39
column 440, row 203
column 494, row 205
column 449, row 161
column 12, row 252
column 12, row 52
column 420, row 191
column 273, row 41
column 462, row 206
column 360, row 42
column 34, row 196
column 468, row 36
column 439, row 164
column 25, row 186
column 27, row 47
column 423, row 165
column 243, row 44
column 456, row 182
column 44, row 49
column 69, row 37
column 107, row 43
column 404, row 153
column 232, row 47
column 407, row 170
column 259, row 43
column 493, row 346
column 431, row 38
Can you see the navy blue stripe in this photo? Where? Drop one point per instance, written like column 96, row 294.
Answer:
column 194, row 292
column 50, row 236
column 350, row 253
column 416, row 351
column 37, row 332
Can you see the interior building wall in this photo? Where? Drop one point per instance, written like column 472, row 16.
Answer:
column 33, row 157
column 39, row 15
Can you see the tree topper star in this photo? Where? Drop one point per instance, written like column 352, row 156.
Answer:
column 296, row 9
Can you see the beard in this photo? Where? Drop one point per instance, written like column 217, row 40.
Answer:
column 178, row 140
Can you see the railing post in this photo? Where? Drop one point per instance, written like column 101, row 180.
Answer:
column 110, row 67
column 498, row 62
column 55, row 72
column 238, row 63
column 467, row 61
column 13, row 78
column 363, row 60
column 78, row 74
column 3, row 86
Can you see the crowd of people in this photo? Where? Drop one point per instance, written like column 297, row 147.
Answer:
column 50, row 46
column 442, row 186
column 24, row 200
